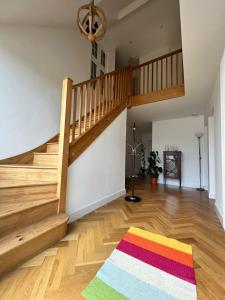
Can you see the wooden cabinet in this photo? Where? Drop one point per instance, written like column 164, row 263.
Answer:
column 172, row 165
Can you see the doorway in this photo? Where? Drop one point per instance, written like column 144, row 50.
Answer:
column 143, row 143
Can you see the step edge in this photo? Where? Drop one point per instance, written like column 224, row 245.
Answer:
column 45, row 153
column 26, row 228
column 45, row 202
column 29, row 185
column 27, row 167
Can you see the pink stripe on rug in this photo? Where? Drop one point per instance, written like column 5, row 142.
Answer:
column 174, row 268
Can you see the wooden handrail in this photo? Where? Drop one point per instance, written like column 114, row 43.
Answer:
column 158, row 74
column 165, row 56
column 92, row 80
column 159, row 58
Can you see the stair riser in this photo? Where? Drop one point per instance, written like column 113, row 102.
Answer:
column 21, row 194
column 53, row 148
column 20, row 254
column 45, row 160
column 27, row 217
column 28, row 174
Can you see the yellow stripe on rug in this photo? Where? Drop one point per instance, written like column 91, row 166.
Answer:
column 172, row 243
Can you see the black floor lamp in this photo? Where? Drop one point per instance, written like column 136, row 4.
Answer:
column 199, row 135
column 134, row 147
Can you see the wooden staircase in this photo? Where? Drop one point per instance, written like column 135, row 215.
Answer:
column 29, row 219
column 33, row 185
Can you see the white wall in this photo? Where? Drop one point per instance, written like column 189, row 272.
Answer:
column 98, row 175
column 180, row 133
column 212, row 190
column 33, row 63
column 218, row 147
column 222, row 85
column 218, row 104
column 205, row 158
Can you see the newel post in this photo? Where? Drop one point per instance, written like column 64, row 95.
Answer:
column 64, row 139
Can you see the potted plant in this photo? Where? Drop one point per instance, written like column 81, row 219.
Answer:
column 154, row 169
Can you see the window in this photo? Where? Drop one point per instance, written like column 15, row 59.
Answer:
column 102, row 58
column 98, row 60
column 93, row 70
column 95, row 49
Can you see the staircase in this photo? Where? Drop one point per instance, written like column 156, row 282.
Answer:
column 29, row 219
column 33, row 185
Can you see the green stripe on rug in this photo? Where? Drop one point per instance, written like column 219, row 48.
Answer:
column 98, row 290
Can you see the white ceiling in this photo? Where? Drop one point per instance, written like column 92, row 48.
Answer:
column 56, row 13
column 154, row 25
column 203, row 39
column 136, row 21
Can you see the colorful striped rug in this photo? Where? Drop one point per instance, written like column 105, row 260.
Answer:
column 145, row 266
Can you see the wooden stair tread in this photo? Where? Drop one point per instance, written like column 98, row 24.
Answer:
column 45, row 153
column 52, row 148
column 21, row 236
column 8, row 183
column 7, row 209
column 27, row 166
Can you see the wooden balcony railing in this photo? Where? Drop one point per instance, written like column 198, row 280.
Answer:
column 95, row 98
column 158, row 74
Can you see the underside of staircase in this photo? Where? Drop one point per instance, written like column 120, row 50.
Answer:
column 33, row 185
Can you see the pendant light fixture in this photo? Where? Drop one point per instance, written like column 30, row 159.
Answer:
column 91, row 22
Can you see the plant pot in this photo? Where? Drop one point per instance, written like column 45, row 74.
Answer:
column 154, row 181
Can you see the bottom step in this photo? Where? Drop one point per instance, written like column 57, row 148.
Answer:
column 21, row 214
column 24, row 243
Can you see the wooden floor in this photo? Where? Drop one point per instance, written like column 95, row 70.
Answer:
column 63, row 271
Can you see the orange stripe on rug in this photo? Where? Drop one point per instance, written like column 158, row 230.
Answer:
column 172, row 243
column 165, row 251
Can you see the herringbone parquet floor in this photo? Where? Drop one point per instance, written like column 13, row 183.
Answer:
column 61, row 272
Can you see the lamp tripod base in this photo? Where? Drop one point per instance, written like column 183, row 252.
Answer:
column 132, row 198
column 200, row 189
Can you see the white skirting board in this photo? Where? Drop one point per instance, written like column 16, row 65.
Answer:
column 218, row 215
column 95, row 205
column 212, row 196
